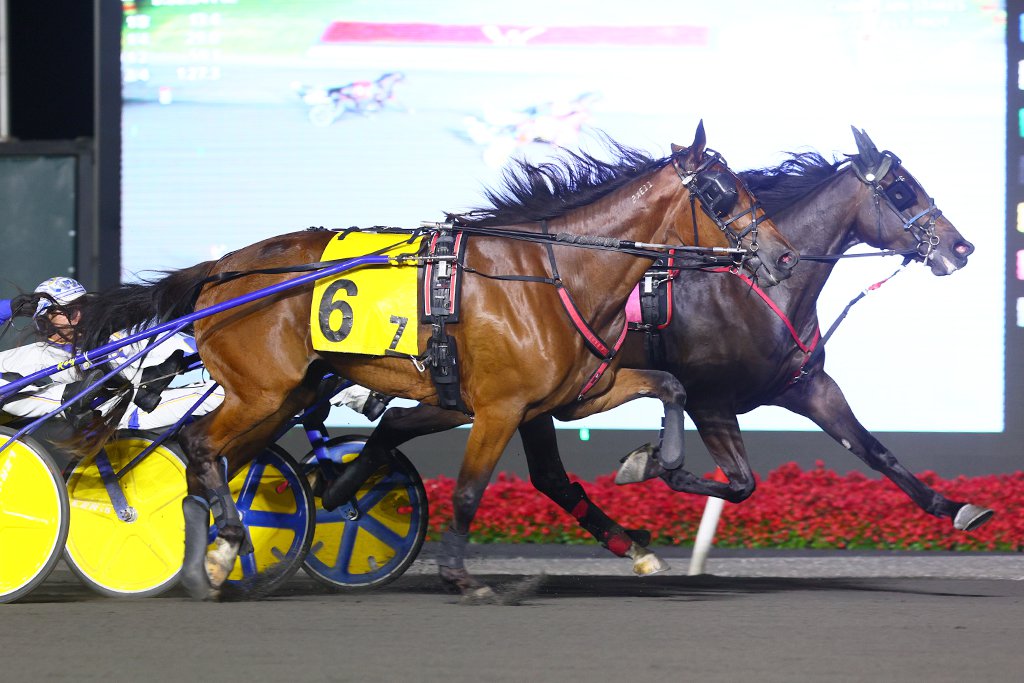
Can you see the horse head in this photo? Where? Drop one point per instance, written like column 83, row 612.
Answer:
column 725, row 199
column 902, row 215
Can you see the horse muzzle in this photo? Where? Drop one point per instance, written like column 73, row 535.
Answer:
column 773, row 270
column 948, row 261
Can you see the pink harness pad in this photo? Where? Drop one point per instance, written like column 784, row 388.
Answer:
column 633, row 306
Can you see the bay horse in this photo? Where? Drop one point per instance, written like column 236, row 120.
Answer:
column 734, row 351
column 529, row 311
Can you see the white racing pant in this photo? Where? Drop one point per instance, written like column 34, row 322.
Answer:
column 174, row 403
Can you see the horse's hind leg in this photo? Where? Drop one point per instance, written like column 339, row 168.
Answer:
column 217, row 445
column 629, row 384
column 547, row 474
column 821, row 400
column 397, row 426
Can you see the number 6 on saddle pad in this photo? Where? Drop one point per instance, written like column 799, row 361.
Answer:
column 370, row 310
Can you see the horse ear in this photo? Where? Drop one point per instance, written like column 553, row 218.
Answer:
column 700, row 140
column 695, row 152
column 676, row 149
column 865, row 147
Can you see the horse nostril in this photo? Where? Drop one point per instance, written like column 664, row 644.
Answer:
column 963, row 248
column 788, row 259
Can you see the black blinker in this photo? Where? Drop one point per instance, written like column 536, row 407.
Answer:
column 901, row 195
column 718, row 193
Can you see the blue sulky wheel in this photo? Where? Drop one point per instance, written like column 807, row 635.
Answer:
column 372, row 539
column 34, row 515
column 276, row 506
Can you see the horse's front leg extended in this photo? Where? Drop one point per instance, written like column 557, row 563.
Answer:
column 492, row 428
column 821, row 400
column 547, row 474
column 720, row 432
column 629, row 384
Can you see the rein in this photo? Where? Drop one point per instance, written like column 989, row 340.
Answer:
column 816, row 353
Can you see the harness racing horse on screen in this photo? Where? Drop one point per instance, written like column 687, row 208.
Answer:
column 547, row 273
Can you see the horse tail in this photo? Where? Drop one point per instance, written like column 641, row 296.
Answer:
column 136, row 305
column 127, row 306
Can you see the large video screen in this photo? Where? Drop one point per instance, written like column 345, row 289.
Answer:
column 245, row 119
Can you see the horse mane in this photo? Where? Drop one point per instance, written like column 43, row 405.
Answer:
column 536, row 192
column 776, row 187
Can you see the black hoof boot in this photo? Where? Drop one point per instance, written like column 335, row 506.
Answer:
column 376, row 404
column 193, row 571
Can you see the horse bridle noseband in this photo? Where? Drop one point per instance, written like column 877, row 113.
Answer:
column 900, row 196
column 717, row 198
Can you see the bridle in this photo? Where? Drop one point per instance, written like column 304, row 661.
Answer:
column 900, row 197
column 717, row 198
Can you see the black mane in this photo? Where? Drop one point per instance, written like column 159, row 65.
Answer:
column 779, row 186
column 531, row 193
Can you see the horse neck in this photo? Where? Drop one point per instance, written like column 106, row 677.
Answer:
column 644, row 210
column 825, row 222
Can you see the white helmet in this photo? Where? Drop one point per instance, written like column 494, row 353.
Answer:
column 63, row 290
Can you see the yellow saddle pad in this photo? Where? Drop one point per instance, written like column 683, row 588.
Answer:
column 370, row 310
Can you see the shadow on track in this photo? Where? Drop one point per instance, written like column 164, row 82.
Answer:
column 685, row 588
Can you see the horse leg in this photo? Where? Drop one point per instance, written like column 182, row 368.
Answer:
column 820, row 399
column 491, row 431
column 720, row 432
column 629, row 384
column 547, row 474
column 397, row 426
column 217, row 444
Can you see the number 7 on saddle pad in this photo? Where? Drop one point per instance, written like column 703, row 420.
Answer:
column 370, row 310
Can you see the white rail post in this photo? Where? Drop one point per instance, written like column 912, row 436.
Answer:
column 706, row 530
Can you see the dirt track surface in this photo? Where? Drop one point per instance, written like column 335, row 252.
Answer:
column 570, row 628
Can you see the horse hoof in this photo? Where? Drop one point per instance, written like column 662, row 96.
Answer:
column 640, row 465
column 481, row 595
column 220, row 561
column 646, row 563
column 970, row 517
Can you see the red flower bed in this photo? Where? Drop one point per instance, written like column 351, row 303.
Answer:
column 791, row 508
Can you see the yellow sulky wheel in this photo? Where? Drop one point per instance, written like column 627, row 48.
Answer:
column 139, row 554
column 33, row 516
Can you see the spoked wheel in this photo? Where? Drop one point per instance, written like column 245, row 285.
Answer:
column 33, row 516
column 140, row 553
column 372, row 539
column 276, row 506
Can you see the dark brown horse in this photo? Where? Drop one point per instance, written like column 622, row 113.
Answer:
column 520, row 354
column 733, row 353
